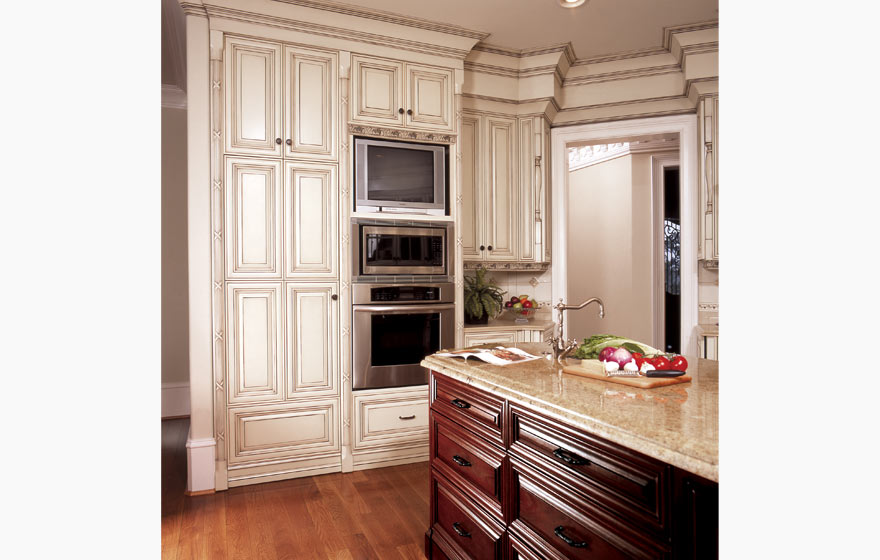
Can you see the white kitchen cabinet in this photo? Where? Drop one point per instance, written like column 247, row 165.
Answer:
column 708, row 139
column 474, row 338
column 253, row 218
column 393, row 93
column 254, row 344
column 310, row 220
column 311, row 340
column 280, row 100
column 390, row 426
column 503, row 189
column 503, row 334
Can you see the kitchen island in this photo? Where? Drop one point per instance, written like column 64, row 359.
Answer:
column 531, row 462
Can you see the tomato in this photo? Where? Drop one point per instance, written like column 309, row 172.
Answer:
column 639, row 358
column 660, row 362
column 679, row 363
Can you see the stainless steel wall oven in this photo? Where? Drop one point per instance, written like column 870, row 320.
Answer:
column 394, row 327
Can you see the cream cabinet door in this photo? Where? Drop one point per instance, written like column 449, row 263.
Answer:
column 502, row 190
column 282, row 431
column 429, row 97
column 311, row 339
column 253, row 218
column 473, row 204
column 390, row 418
column 310, row 218
column 253, row 97
column 377, row 91
column 253, row 339
column 310, row 103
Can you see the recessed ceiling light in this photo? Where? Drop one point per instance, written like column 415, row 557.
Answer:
column 571, row 3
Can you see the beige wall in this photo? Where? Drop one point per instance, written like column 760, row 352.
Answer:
column 175, row 301
column 609, row 247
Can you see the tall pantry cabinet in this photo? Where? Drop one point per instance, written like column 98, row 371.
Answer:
column 281, row 280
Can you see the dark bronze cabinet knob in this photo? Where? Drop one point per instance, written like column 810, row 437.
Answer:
column 490, row 247
column 409, row 111
column 334, row 297
column 289, row 142
column 400, row 110
column 278, row 140
column 482, row 247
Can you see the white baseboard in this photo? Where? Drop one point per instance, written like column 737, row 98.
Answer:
column 175, row 399
column 200, row 464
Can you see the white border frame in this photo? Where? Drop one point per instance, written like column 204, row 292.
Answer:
column 686, row 127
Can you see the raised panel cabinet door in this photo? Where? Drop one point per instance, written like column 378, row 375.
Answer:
column 310, row 218
column 253, row 339
column 377, row 91
column 310, row 103
column 253, row 97
column 502, row 189
column 253, row 218
column 385, row 419
column 285, row 430
column 472, row 192
column 429, row 97
column 311, row 340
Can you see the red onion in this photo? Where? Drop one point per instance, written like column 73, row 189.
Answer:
column 621, row 356
column 606, row 353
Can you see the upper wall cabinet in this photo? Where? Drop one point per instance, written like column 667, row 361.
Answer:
column 503, row 188
column 278, row 107
column 393, row 93
column 708, row 132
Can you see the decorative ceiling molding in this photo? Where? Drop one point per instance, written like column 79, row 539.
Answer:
column 334, row 32
column 641, row 53
column 585, row 156
column 511, row 72
column 388, row 17
column 623, row 75
column 668, row 32
column 625, row 102
column 194, row 9
column 564, row 48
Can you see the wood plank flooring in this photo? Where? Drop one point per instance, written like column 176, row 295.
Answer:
column 376, row 514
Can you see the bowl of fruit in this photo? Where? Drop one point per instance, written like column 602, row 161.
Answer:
column 521, row 308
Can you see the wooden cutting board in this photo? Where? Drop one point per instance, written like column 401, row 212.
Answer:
column 595, row 370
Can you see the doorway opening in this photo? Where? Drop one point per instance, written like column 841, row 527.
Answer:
column 671, row 260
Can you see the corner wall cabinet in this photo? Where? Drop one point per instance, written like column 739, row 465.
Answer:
column 401, row 94
column 707, row 109
column 503, row 185
column 508, row 482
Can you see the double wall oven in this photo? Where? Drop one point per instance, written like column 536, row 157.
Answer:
column 403, row 301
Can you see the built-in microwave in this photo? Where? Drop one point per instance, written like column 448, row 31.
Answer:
column 401, row 250
column 395, row 176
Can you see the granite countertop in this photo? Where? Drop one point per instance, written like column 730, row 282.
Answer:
column 537, row 323
column 677, row 424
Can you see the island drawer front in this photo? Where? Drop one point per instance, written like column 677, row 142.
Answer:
column 469, row 462
column 560, row 526
column 517, row 550
column 472, row 408
column 462, row 523
column 629, row 484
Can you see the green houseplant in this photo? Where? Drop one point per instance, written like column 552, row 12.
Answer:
column 482, row 298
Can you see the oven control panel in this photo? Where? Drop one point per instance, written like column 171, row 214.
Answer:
column 364, row 293
column 405, row 293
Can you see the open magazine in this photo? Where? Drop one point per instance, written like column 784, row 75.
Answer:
column 499, row 356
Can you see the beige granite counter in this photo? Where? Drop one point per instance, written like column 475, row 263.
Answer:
column 677, row 424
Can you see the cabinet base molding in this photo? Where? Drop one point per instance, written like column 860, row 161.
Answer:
column 243, row 475
column 514, row 266
column 391, row 458
column 382, row 132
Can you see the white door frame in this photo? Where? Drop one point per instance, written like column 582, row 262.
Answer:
column 686, row 127
column 658, row 165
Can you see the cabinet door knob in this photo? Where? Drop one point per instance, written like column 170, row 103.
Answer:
column 409, row 111
column 289, row 142
column 490, row 247
column 334, row 297
column 482, row 247
column 278, row 141
column 400, row 110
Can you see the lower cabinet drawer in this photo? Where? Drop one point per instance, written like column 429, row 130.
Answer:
column 557, row 526
column 517, row 550
column 460, row 522
column 469, row 462
column 473, row 409
column 387, row 418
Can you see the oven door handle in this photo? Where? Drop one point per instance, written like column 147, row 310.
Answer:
column 404, row 308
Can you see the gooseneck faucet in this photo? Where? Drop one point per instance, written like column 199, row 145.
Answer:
column 560, row 347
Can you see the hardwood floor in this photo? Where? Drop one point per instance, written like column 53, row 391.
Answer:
column 379, row 513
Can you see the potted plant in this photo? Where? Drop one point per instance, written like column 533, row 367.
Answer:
column 482, row 298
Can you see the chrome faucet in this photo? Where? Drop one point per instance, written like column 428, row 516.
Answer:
column 561, row 348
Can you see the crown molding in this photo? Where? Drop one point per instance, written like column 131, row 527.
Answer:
column 564, row 48
column 668, row 32
column 622, row 75
column 511, row 72
column 388, row 17
column 334, row 32
column 173, row 97
column 194, row 9
column 626, row 117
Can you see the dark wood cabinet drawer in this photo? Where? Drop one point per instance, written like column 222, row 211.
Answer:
column 517, row 550
column 470, row 463
column 461, row 523
column 474, row 409
column 628, row 484
column 557, row 526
